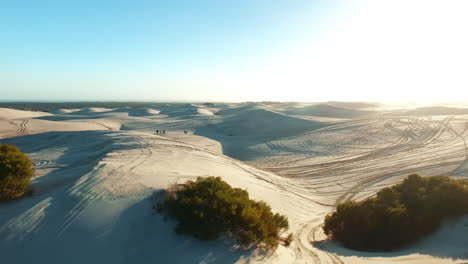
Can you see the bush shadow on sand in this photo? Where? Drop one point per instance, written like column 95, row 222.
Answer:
column 127, row 231
column 449, row 241
column 152, row 239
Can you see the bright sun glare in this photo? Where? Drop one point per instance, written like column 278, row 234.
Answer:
column 375, row 50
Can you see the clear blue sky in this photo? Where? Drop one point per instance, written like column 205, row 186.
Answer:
column 190, row 50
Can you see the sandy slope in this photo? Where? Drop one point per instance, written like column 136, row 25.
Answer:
column 98, row 169
column 330, row 111
column 92, row 197
column 9, row 114
column 18, row 127
column 264, row 123
column 439, row 110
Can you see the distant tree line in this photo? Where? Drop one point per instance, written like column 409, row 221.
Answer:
column 398, row 215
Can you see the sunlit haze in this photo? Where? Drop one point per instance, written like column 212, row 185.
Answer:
column 234, row 50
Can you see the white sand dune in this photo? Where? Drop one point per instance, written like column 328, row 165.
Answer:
column 353, row 105
column 98, row 171
column 239, row 109
column 136, row 112
column 188, row 110
column 64, row 111
column 206, row 111
column 178, row 111
column 10, row 114
column 435, row 110
column 13, row 128
column 331, row 111
column 91, row 110
column 199, row 141
column 95, row 200
column 262, row 122
column 99, row 112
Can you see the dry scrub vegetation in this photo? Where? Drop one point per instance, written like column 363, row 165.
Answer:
column 209, row 207
column 15, row 172
column 398, row 215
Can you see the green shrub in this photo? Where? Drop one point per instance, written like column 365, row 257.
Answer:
column 398, row 215
column 210, row 207
column 15, row 172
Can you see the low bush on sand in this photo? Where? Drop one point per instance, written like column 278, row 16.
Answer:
column 209, row 207
column 15, row 172
column 398, row 215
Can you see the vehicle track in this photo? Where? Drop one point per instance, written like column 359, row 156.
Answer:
column 369, row 181
column 106, row 127
column 412, row 149
column 309, row 231
column 20, row 130
column 40, row 164
column 86, row 188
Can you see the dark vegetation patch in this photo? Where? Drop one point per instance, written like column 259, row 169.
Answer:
column 15, row 172
column 209, row 208
column 398, row 215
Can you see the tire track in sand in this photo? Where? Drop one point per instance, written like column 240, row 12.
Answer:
column 87, row 186
column 20, row 130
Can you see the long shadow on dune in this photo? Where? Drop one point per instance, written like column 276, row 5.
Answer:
column 448, row 242
column 78, row 153
column 250, row 148
column 256, row 132
column 55, row 226
column 326, row 110
column 177, row 111
column 151, row 239
column 106, row 233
